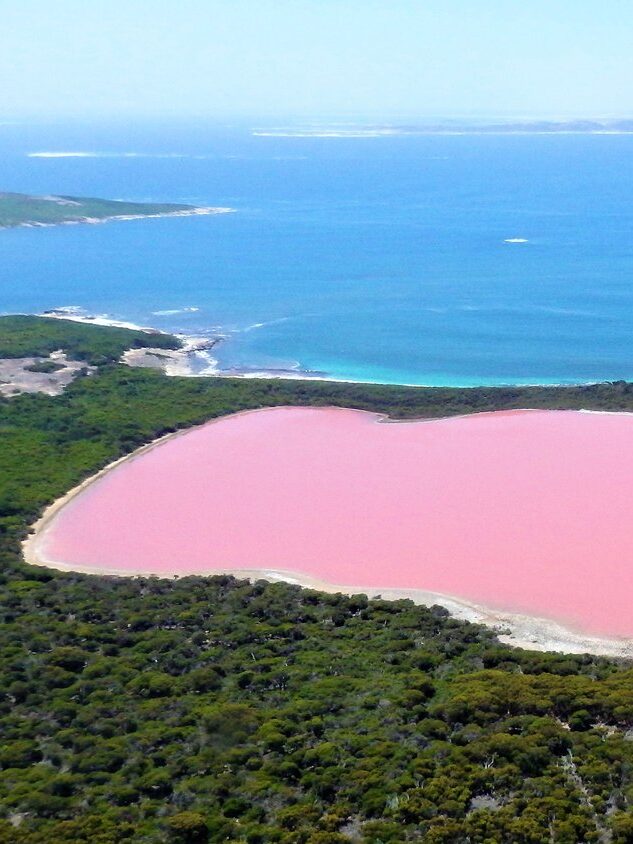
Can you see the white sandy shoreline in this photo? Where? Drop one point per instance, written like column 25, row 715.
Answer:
column 202, row 211
column 516, row 629
column 196, row 343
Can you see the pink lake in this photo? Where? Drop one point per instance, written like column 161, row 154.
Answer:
column 525, row 511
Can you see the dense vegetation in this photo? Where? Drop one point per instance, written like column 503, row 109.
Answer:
column 20, row 209
column 31, row 336
column 211, row 709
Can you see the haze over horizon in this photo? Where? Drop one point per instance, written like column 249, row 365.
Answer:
column 300, row 58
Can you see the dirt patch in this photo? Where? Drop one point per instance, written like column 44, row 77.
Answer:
column 29, row 375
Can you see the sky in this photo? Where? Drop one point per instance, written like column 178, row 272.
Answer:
column 340, row 58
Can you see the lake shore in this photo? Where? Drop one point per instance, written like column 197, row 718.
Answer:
column 518, row 629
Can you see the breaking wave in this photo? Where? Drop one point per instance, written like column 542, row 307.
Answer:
column 174, row 311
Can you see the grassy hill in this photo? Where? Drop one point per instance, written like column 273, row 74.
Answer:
column 19, row 209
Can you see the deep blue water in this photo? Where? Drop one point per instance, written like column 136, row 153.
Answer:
column 366, row 258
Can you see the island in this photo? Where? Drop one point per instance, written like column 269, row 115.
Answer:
column 222, row 708
column 21, row 209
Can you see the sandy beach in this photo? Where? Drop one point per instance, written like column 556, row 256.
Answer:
column 539, row 630
column 193, row 360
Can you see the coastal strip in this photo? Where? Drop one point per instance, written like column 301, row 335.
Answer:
column 194, row 347
column 79, row 221
column 192, row 359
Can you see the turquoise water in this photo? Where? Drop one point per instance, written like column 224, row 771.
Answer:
column 380, row 259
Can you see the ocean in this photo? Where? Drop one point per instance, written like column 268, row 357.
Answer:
column 459, row 259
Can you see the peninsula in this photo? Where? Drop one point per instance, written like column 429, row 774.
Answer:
column 21, row 209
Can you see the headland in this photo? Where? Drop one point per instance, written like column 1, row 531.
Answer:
column 20, row 209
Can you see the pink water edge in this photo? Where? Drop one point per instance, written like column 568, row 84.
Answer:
column 525, row 511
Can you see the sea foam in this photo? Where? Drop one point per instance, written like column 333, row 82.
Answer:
column 95, row 154
column 174, row 311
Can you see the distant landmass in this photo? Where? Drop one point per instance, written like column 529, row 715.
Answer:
column 455, row 127
column 20, row 209
column 583, row 127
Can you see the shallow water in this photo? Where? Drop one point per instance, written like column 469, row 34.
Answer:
column 372, row 258
column 526, row 511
